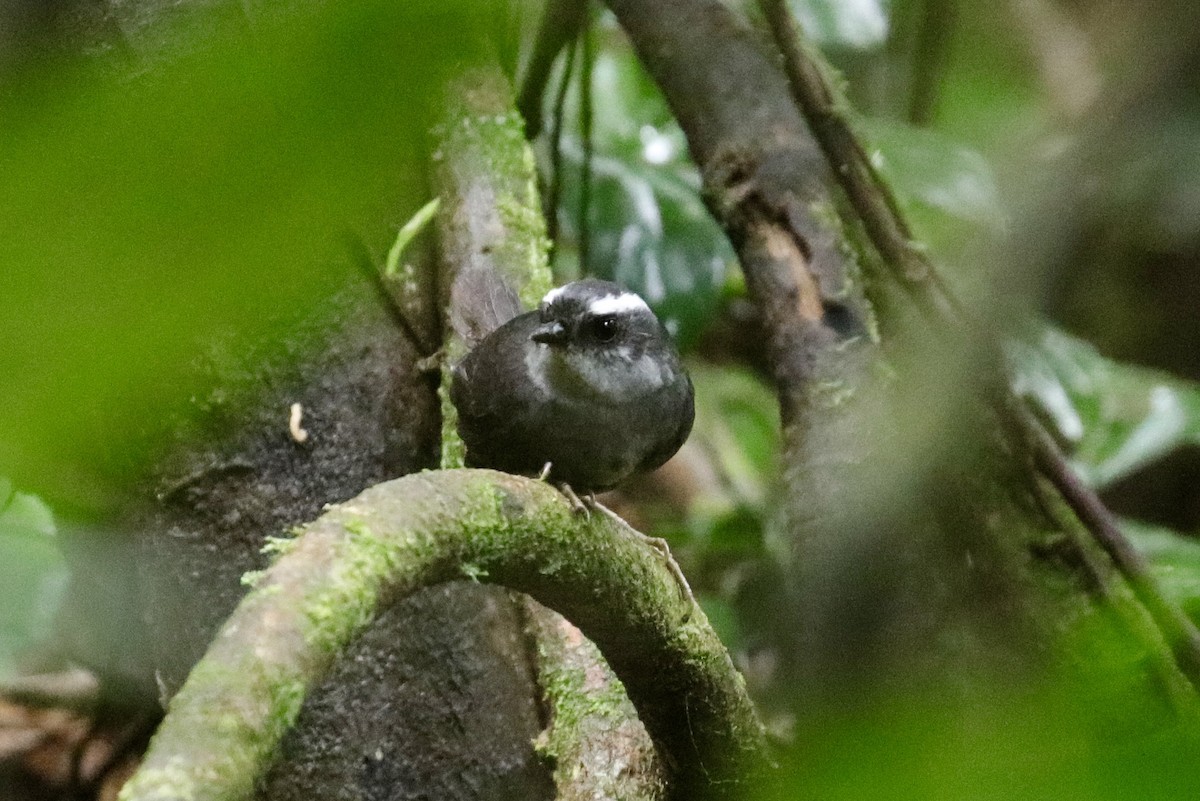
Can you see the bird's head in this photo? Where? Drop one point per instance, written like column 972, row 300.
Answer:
column 597, row 317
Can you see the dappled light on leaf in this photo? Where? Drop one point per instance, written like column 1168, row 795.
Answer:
column 1117, row 417
column 649, row 229
column 849, row 24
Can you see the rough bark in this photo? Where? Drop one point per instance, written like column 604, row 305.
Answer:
column 910, row 522
column 764, row 179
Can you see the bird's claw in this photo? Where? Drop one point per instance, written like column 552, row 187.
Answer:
column 577, row 504
column 657, row 543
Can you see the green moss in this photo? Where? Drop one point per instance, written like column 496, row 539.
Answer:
column 171, row 783
column 473, row 572
column 454, row 451
column 287, row 699
column 481, row 518
column 579, row 706
column 499, row 139
column 345, row 604
column 280, row 545
column 494, row 145
column 251, row 578
column 526, row 251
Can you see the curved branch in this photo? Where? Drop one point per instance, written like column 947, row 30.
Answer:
column 397, row 537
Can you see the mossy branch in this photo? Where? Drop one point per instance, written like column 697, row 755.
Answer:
column 494, row 265
column 225, row 723
column 492, row 234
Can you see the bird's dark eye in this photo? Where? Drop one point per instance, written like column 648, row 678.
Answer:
column 603, row 329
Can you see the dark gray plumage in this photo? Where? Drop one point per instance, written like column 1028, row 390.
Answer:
column 589, row 382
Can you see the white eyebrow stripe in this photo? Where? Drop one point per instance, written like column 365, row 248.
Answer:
column 552, row 294
column 617, row 304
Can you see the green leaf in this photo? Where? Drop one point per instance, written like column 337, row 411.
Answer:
column 213, row 194
column 1117, row 418
column 650, row 232
column 32, row 573
column 649, row 229
column 929, row 169
column 1175, row 560
column 991, row 94
column 844, row 24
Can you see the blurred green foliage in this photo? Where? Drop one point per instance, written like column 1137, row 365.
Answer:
column 836, row 24
column 145, row 214
column 217, row 193
column 723, row 541
column 1036, row 743
column 1116, row 420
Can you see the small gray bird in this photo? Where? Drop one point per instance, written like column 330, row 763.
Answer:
column 589, row 384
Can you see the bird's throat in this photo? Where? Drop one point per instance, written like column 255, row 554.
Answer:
column 614, row 377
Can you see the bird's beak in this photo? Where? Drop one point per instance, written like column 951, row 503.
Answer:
column 551, row 333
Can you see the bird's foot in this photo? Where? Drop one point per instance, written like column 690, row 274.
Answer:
column 577, row 505
column 660, row 545
column 657, row 543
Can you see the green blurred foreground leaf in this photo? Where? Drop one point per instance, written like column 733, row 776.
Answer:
column 215, row 194
column 1036, row 744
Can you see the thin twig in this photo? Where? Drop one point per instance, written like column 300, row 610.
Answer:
column 587, row 58
column 889, row 233
column 554, row 193
column 561, row 23
column 1177, row 628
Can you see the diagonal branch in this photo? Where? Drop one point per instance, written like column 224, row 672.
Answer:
column 889, row 233
column 764, row 181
